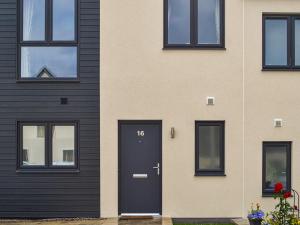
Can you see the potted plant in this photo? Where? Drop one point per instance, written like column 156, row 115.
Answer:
column 255, row 216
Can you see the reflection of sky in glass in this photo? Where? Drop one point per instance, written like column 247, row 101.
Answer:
column 297, row 42
column 276, row 42
column 179, row 21
column 33, row 20
column 208, row 21
column 63, row 20
column 59, row 61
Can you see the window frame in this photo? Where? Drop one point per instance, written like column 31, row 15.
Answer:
column 48, row 42
column 48, row 167
column 210, row 172
column 290, row 42
column 194, row 29
column 288, row 145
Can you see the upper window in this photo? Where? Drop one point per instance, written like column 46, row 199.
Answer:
column 48, row 40
column 281, row 42
column 276, row 165
column 194, row 23
column 209, row 148
column 47, row 145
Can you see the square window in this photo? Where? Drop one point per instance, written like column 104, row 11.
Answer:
column 47, row 145
column 194, row 23
column 281, row 36
column 276, row 165
column 209, row 148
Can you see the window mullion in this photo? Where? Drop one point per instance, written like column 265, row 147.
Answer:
column 48, row 145
column 289, row 40
column 193, row 22
column 48, row 21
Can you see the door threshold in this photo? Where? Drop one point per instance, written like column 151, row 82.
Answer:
column 127, row 216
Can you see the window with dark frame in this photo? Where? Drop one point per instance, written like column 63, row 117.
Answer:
column 281, row 42
column 210, row 148
column 194, row 24
column 47, row 151
column 276, row 166
column 48, row 45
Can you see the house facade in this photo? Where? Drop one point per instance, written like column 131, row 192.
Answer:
column 49, row 84
column 199, row 112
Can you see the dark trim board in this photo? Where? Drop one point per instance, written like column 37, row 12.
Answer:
column 120, row 122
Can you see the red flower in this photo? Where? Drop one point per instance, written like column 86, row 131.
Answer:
column 295, row 207
column 287, row 194
column 278, row 187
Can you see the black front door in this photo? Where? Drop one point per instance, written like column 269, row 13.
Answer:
column 140, row 167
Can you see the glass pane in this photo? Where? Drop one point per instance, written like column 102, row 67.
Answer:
column 63, row 20
column 33, row 146
column 297, row 42
column 49, row 62
column 276, row 42
column 209, row 147
column 179, row 21
column 63, row 145
column 209, row 22
column 33, row 20
column 276, row 167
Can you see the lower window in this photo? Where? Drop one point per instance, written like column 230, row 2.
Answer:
column 276, row 165
column 209, row 148
column 44, row 145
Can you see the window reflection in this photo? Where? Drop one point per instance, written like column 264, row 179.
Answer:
column 48, row 62
column 63, row 139
column 33, row 20
column 33, row 146
column 63, row 20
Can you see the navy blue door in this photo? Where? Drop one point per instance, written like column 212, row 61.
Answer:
column 140, row 167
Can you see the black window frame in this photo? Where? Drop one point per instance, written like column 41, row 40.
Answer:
column 48, row 167
column 194, row 29
column 288, row 145
column 48, row 42
column 290, row 42
column 209, row 172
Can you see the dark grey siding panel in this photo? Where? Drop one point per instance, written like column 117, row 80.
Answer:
column 50, row 194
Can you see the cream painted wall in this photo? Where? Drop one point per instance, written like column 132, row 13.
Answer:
column 268, row 95
column 139, row 80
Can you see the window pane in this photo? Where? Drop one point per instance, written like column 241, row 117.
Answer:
column 49, row 62
column 209, row 22
column 63, row 145
column 209, row 147
column 33, row 146
column 179, row 21
column 297, row 42
column 276, row 167
column 276, row 42
column 33, row 20
column 63, row 20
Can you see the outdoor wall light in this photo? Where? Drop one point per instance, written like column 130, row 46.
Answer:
column 172, row 132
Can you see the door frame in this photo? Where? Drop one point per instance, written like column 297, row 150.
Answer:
column 130, row 122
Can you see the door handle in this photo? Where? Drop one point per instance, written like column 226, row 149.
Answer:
column 157, row 169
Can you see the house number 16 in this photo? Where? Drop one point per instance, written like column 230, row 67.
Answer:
column 141, row 133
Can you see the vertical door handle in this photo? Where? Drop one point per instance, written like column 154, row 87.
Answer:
column 157, row 169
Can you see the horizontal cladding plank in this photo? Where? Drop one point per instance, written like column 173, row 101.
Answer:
column 89, row 16
column 26, row 104
column 42, row 178
column 58, row 109
column 90, row 5
column 41, row 98
column 45, row 186
column 46, row 208
column 8, row 23
column 59, row 92
column 49, row 86
column 46, row 191
column 25, row 214
column 87, row 22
